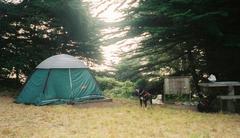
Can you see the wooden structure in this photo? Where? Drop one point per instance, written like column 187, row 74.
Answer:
column 231, row 91
column 177, row 85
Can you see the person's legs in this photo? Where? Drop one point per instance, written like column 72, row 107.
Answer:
column 150, row 99
column 145, row 102
column 140, row 101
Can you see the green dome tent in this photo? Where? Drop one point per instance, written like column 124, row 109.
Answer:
column 60, row 79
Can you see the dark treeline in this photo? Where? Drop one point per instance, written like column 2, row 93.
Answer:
column 33, row 30
column 181, row 37
column 184, row 37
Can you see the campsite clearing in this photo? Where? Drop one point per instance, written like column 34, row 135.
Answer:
column 121, row 118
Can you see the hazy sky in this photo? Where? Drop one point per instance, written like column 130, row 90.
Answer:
column 110, row 11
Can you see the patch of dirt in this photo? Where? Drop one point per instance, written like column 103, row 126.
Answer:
column 7, row 93
column 184, row 107
column 102, row 104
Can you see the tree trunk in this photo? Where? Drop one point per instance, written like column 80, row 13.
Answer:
column 192, row 68
column 17, row 76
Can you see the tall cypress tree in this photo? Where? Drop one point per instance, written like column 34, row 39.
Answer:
column 189, row 36
column 34, row 30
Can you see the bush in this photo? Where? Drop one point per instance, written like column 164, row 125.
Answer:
column 141, row 83
column 114, row 88
column 107, row 83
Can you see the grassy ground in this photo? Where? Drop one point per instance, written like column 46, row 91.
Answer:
column 122, row 118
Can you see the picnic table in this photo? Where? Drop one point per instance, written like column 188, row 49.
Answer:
column 230, row 91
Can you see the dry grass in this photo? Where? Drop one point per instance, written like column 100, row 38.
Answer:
column 122, row 118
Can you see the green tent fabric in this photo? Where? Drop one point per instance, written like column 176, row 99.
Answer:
column 60, row 79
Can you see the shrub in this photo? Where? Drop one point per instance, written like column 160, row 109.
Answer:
column 114, row 88
column 107, row 83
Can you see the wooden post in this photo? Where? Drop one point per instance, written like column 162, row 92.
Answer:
column 230, row 104
column 220, row 104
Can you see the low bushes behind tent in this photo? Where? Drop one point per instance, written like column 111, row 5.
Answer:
column 115, row 88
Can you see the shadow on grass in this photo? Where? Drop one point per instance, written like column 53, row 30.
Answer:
column 108, row 104
column 9, row 90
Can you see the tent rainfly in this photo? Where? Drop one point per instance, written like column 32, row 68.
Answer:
column 60, row 79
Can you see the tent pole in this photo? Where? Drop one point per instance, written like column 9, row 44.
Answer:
column 70, row 81
column 70, row 77
column 45, row 85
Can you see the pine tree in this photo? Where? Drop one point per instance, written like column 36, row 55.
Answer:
column 33, row 30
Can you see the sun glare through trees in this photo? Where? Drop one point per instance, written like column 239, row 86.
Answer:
column 113, row 36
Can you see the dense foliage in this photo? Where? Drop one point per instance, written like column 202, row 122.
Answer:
column 33, row 30
column 114, row 88
column 185, row 37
